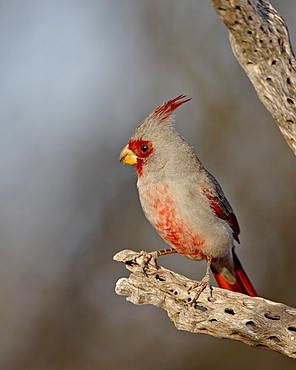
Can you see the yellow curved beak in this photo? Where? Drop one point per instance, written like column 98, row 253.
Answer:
column 127, row 156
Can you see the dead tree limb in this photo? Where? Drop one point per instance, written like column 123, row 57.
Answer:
column 260, row 41
column 257, row 322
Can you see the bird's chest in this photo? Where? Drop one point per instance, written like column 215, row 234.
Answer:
column 166, row 212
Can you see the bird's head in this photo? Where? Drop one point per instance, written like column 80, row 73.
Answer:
column 155, row 140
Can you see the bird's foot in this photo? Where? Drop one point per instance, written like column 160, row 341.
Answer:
column 203, row 284
column 145, row 258
column 199, row 287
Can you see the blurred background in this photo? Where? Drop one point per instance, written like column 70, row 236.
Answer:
column 77, row 77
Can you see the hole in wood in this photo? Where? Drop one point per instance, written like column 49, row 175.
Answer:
column 290, row 101
column 157, row 277
column 273, row 337
column 213, row 320
column 250, row 18
column 129, row 263
column 292, row 328
column 200, row 308
column 261, row 346
column 273, row 62
column 268, row 79
column 288, row 81
column 238, row 7
column 250, row 32
column 272, row 316
column 229, row 311
column 250, row 323
column 234, row 333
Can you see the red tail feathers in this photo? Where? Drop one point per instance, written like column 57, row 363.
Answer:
column 242, row 284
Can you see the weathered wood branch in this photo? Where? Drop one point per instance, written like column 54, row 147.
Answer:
column 257, row 322
column 260, row 41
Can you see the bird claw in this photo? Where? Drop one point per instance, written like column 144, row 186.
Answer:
column 145, row 258
column 201, row 286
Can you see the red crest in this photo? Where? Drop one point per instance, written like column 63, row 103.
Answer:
column 167, row 108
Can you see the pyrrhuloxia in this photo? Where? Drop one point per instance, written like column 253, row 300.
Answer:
column 183, row 201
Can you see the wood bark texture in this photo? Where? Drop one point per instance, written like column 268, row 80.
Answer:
column 260, row 41
column 257, row 322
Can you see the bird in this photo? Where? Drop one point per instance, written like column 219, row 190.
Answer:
column 184, row 202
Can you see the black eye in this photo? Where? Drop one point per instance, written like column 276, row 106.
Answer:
column 144, row 148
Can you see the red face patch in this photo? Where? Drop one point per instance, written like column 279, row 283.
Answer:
column 142, row 149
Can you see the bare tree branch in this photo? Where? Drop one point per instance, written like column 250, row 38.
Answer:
column 257, row 322
column 260, row 41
